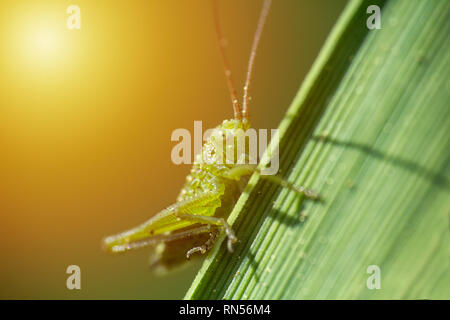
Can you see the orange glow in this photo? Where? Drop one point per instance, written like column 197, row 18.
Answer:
column 86, row 118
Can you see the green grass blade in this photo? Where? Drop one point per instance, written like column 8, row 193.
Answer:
column 369, row 130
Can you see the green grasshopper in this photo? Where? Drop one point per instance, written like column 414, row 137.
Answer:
column 213, row 186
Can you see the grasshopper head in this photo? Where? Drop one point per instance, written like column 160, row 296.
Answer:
column 229, row 142
column 235, row 124
column 230, row 131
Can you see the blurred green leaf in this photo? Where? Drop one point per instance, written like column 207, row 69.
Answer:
column 369, row 130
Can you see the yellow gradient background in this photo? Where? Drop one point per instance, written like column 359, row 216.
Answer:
column 86, row 118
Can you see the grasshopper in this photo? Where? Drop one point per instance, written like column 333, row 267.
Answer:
column 213, row 186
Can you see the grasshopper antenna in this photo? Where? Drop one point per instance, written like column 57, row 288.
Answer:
column 259, row 29
column 222, row 44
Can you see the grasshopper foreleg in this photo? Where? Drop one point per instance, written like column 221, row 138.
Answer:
column 206, row 246
column 214, row 221
column 286, row 184
column 248, row 169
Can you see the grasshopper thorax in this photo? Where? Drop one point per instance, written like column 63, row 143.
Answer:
column 221, row 151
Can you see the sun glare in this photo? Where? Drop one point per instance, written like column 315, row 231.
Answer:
column 34, row 40
column 44, row 43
